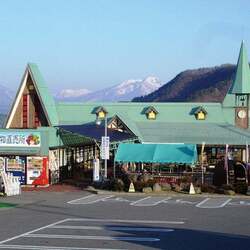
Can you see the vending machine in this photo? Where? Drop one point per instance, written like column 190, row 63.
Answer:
column 37, row 171
column 2, row 164
column 16, row 166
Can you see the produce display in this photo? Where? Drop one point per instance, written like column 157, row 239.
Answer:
column 33, row 139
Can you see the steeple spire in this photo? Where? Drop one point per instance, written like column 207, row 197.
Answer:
column 241, row 84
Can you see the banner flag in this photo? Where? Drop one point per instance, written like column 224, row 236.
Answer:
column 226, row 161
column 226, row 158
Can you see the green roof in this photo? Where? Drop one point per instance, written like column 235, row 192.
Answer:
column 44, row 94
column 79, row 113
column 210, row 133
column 175, row 122
column 241, row 84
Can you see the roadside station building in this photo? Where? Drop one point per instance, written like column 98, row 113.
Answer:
column 45, row 141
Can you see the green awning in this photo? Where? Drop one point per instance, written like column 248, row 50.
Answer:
column 157, row 153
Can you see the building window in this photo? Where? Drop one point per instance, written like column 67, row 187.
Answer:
column 200, row 113
column 151, row 113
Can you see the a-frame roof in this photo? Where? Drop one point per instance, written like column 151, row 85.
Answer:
column 43, row 93
column 241, row 84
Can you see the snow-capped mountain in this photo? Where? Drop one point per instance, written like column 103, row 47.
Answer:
column 68, row 94
column 6, row 99
column 124, row 91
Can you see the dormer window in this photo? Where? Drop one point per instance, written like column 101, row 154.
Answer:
column 101, row 112
column 151, row 113
column 200, row 113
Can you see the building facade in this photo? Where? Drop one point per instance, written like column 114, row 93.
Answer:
column 45, row 141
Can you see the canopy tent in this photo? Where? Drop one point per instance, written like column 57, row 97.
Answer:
column 157, row 153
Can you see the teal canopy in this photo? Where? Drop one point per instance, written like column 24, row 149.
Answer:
column 157, row 153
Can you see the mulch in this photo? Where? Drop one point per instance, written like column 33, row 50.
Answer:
column 53, row 188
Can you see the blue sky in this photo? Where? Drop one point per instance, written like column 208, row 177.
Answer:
column 98, row 43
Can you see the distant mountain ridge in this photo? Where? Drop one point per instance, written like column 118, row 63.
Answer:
column 2, row 120
column 124, row 91
column 198, row 85
column 7, row 96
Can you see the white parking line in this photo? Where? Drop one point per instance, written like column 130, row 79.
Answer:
column 127, row 221
column 149, row 201
column 239, row 203
column 31, row 247
column 33, row 231
column 34, row 234
column 90, row 237
column 213, row 203
column 115, row 228
column 90, row 199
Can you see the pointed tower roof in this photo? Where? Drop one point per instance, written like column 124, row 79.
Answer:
column 241, row 84
column 46, row 98
column 43, row 93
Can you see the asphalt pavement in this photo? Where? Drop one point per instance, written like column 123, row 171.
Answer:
column 80, row 220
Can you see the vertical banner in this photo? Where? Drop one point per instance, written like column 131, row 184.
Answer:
column 202, row 159
column 247, row 153
column 247, row 166
column 105, row 148
column 226, row 163
column 96, row 170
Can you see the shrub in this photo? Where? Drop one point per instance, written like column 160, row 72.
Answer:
column 139, row 185
column 150, row 183
column 228, row 187
column 241, row 188
column 219, row 190
column 208, row 188
column 118, row 185
column 133, row 177
column 184, row 186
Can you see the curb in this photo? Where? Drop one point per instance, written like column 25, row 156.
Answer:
column 175, row 194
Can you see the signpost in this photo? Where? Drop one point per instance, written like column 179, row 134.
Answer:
column 105, row 148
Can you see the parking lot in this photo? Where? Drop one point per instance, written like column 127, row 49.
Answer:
column 91, row 233
column 80, row 220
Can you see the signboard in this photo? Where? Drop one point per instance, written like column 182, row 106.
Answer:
column 96, row 170
column 20, row 139
column 105, row 148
